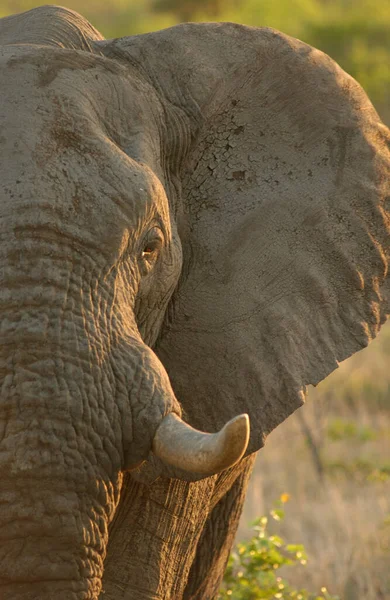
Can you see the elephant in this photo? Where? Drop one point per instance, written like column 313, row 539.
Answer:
column 194, row 228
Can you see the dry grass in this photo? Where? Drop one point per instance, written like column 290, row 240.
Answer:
column 343, row 517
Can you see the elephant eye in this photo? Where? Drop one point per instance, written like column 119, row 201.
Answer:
column 152, row 244
column 149, row 249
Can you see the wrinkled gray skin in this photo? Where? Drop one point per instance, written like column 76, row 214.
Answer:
column 213, row 195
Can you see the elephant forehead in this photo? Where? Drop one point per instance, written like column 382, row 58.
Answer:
column 45, row 64
column 58, row 153
column 51, row 62
column 89, row 91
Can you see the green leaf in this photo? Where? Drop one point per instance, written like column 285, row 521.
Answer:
column 252, row 571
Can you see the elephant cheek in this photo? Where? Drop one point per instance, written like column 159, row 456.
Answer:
column 144, row 397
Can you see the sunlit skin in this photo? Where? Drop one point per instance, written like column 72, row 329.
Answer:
column 192, row 231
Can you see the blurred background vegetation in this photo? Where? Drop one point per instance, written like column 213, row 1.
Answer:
column 333, row 456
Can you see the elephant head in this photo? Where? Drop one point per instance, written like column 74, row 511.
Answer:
column 194, row 226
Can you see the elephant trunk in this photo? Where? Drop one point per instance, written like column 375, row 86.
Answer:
column 65, row 402
column 53, row 536
column 59, row 462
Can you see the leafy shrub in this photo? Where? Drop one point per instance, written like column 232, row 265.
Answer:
column 252, row 570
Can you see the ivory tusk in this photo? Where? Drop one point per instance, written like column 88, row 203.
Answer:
column 179, row 445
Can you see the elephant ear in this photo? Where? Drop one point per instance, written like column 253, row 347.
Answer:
column 284, row 168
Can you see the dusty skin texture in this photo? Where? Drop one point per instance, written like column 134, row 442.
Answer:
column 191, row 220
